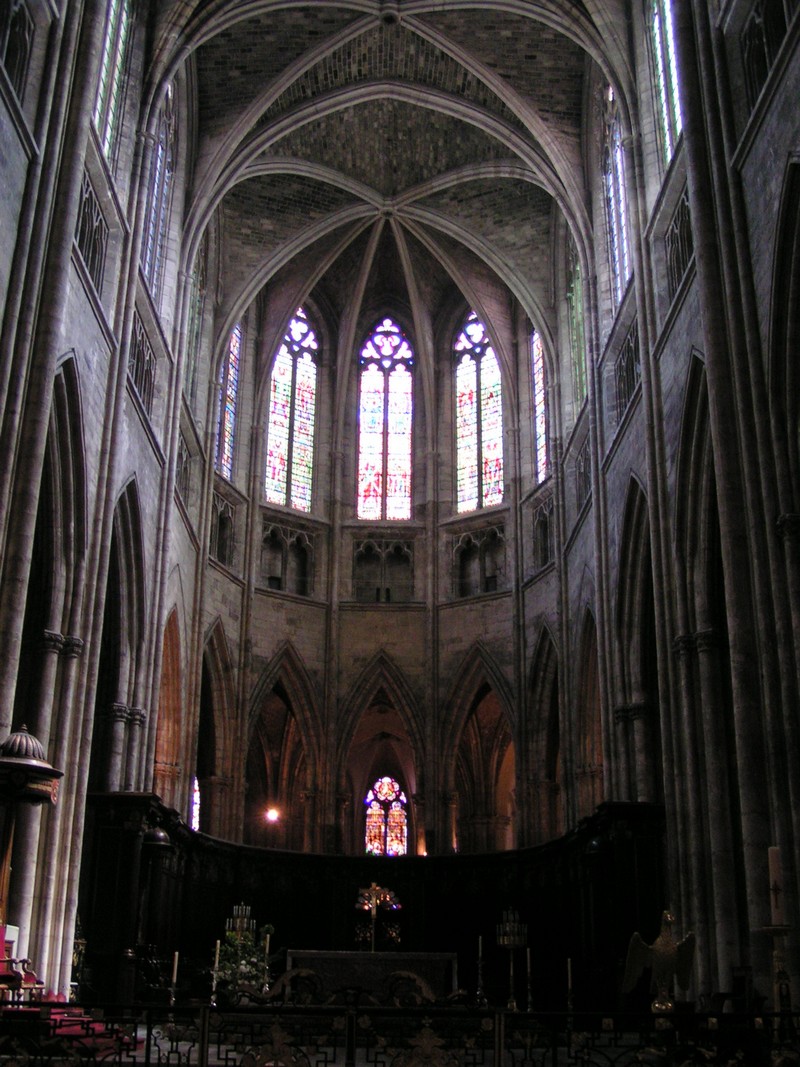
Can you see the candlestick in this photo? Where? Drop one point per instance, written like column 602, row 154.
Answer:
column 175, row 968
column 266, row 946
column 216, row 957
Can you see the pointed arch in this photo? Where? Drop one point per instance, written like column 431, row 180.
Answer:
column 546, row 816
column 214, row 750
column 638, row 714
column 170, row 714
column 118, row 696
column 785, row 331
column 381, row 736
column 589, row 727
column 284, row 743
column 480, row 771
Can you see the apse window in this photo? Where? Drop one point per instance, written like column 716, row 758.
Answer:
column 385, row 416
column 479, row 419
column 386, row 827
column 159, row 195
column 290, row 426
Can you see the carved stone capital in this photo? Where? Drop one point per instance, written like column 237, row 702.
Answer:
column 137, row 716
column 707, row 640
column 629, row 712
column 52, row 641
column 684, row 645
column 116, row 713
column 73, row 646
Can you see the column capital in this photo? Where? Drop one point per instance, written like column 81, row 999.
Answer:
column 684, row 644
column 137, row 716
column 52, row 641
column 707, row 640
column 73, row 646
column 116, row 713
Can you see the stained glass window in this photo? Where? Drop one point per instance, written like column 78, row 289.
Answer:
column 479, row 419
column 159, row 195
column 386, row 824
column 229, row 387
column 194, row 331
column 110, row 90
column 290, row 427
column 539, row 382
column 577, row 340
column 385, row 412
column 194, row 818
column 666, row 74
column 616, row 198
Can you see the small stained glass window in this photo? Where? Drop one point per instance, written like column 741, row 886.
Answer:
column 479, row 419
column 386, row 824
column 229, row 388
column 385, row 417
column 194, row 821
column 292, row 406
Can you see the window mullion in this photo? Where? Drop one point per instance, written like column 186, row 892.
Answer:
column 290, row 439
column 385, row 468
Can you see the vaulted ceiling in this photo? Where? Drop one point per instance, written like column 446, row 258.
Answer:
column 416, row 133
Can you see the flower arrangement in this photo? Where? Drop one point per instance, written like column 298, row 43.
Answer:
column 242, row 970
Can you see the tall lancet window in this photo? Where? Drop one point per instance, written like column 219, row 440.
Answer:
column 292, row 404
column 666, row 74
column 159, row 195
column 616, row 198
column 479, row 419
column 228, row 394
column 540, row 414
column 385, row 418
column 111, row 86
column 386, row 826
column 577, row 335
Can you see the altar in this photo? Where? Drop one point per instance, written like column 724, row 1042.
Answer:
column 319, row 976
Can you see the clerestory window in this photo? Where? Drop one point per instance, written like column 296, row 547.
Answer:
column 159, row 195
column 385, row 422
column 479, row 419
column 616, row 202
column 228, row 396
column 111, row 86
column 290, row 427
column 662, row 39
column 541, row 456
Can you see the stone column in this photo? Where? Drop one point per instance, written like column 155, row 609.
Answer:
column 342, row 826
column 137, row 717
column 628, row 771
column 308, row 800
column 451, row 805
column 116, row 718
column 716, row 745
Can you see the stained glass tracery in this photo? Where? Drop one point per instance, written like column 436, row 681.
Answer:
column 291, row 419
column 385, row 418
column 386, row 824
column 479, row 419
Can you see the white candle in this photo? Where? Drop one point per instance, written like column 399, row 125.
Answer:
column 216, row 957
column 175, row 968
column 266, row 946
column 775, row 885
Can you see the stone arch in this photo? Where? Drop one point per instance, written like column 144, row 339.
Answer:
column 214, row 756
column 709, row 795
column 170, row 705
column 381, row 735
column 546, row 808
column 118, row 718
column 282, row 763
column 588, row 741
column 480, row 766
column 637, row 715
column 785, row 337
